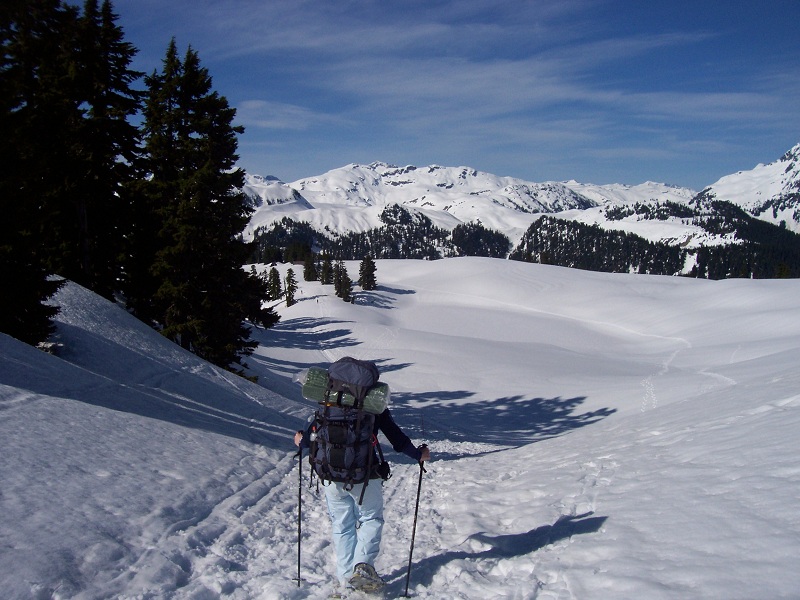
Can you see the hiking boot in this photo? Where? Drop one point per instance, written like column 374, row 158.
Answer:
column 366, row 578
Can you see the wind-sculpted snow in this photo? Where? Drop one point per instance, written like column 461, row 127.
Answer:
column 593, row 436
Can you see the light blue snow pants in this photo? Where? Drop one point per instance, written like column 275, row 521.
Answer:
column 356, row 529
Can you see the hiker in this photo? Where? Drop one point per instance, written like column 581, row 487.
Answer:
column 356, row 511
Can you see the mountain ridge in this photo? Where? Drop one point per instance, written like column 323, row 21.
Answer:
column 350, row 198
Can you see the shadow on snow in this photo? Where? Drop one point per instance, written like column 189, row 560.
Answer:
column 505, row 546
column 197, row 395
column 304, row 334
column 509, row 421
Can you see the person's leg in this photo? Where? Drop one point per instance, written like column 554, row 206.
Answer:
column 370, row 522
column 342, row 511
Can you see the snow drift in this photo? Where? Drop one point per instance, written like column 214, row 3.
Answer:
column 593, row 436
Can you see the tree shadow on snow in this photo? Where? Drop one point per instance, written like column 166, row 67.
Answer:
column 304, row 334
column 505, row 546
column 382, row 297
column 509, row 421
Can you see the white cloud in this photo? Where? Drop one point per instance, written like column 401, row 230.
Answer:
column 276, row 115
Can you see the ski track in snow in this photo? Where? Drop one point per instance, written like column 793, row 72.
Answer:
column 666, row 502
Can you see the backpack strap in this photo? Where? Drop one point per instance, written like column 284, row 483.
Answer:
column 369, row 453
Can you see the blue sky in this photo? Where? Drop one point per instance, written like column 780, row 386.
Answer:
column 626, row 91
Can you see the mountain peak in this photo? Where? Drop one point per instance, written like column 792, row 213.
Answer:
column 351, row 198
column 770, row 192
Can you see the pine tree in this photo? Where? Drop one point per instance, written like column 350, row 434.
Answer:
column 37, row 113
column 326, row 270
column 108, row 144
column 310, row 268
column 200, row 294
column 156, row 194
column 342, row 283
column 291, row 287
column 72, row 141
column 366, row 274
column 274, row 290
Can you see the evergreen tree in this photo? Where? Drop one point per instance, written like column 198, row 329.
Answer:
column 291, row 287
column 366, row 274
column 201, row 294
column 310, row 268
column 274, row 291
column 326, row 270
column 68, row 77
column 342, row 283
column 38, row 111
column 108, row 144
column 473, row 239
column 156, row 195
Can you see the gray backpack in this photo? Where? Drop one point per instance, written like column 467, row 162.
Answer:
column 342, row 442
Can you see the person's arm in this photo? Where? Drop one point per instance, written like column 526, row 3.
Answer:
column 399, row 440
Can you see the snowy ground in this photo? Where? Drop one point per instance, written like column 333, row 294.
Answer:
column 593, row 435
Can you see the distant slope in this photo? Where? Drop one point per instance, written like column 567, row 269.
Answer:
column 770, row 192
column 350, row 199
column 345, row 212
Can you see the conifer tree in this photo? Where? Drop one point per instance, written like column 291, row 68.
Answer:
column 201, row 294
column 274, row 291
column 310, row 272
column 326, row 270
column 108, row 144
column 37, row 112
column 70, row 135
column 366, row 274
column 291, row 287
column 341, row 281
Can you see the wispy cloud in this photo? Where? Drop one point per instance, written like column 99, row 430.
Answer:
column 479, row 80
column 277, row 115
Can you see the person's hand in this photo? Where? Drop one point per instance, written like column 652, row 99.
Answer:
column 426, row 454
column 298, row 437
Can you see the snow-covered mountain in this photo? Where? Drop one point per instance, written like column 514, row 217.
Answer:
column 351, row 198
column 770, row 192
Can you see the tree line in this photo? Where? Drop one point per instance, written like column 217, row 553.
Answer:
column 758, row 249
column 403, row 234
column 150, row 214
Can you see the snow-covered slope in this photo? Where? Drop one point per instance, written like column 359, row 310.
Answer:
column 770, row 192
column 593, row 435
column 113, row 449
column 351, row 198
column 618, row 194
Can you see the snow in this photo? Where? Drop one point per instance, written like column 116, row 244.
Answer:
column 351, row 199
column 617, row 193
column 752, row 189
column 593, row 436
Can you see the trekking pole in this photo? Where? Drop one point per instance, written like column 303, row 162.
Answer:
column 299, row 510
column 414, row 528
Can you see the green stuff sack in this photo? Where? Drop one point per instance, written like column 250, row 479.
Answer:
column 315, row 386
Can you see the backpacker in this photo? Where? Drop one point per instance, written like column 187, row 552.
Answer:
column 342, row 440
